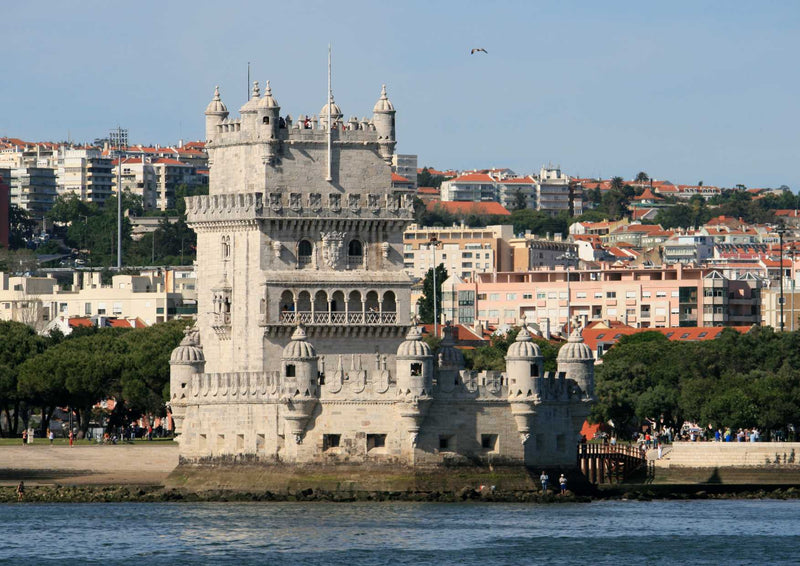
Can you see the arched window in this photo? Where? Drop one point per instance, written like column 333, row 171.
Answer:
column 226, row 247
column 290, row 370
column 266, row 120
column 304, row 252
column 355, row 254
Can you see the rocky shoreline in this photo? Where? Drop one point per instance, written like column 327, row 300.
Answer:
column 157, row 494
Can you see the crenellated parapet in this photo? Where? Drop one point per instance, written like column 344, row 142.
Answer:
column 280, row 205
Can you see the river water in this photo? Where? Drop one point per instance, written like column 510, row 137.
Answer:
column 355, row 534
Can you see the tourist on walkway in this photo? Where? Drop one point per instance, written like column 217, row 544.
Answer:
column 50, row 436
column 21, row 491
column 544, row 478
column 563, row 483
column 71, row 437
column 24, row 437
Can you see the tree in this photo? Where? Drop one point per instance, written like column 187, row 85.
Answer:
column 425, row 179
column 617, row 183
column 642, row 177
column 145, row 373
column 425, row 303
column 21, row 227
column 18, row 343
column 520, row 202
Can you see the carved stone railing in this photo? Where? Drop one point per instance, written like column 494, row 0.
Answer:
column 338, row 318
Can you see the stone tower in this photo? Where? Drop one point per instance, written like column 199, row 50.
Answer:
column 308, row 352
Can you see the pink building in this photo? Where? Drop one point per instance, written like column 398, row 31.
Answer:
column 660, row 297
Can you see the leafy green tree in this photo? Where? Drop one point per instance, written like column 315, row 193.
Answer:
column 18, row 342
column 145, row 373
column 642, row 177
column 21, row 227
column 425, row 303
column 425, row 179
column 519, row 200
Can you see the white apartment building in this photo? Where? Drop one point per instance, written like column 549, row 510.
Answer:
column 33, row 189
column 405, row 165
column 86, row 173
column 36, row 301
column 155, row 179
column 462, row 250
column 552, row 190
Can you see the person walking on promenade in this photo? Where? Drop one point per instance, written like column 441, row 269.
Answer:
column 24, row 437
column 544, row 478
column 71, row 438
column 21, row 491
column 562, row 481
column 50, row 436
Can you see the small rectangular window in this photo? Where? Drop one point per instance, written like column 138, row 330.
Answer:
column 376, row 441
column 290, row 370
column 331, row 441
column 489, row 442
column 446, row 442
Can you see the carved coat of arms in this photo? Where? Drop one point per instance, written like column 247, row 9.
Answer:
column 332, row 246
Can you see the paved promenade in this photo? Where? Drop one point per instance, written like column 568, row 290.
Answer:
column 137, row 464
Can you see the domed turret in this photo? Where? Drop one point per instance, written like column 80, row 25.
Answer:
column 524, row 365
column 252, row 104
column 449, row 356
column 186, row 363
column 299, row 382
column 336, row 113
column 576, row 362
column 216, row 112
column 268, row 101
column 299, row 348
column 189, row 351
column 414, row 365
column 450, row 361
column 383, row 119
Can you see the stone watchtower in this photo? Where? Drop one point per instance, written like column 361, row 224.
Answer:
column 308, row 352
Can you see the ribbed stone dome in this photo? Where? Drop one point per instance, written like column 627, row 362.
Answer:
column 414, row 347
column 216, row 106
column 524, row 347
column 299, row 348
column 252, row 104
column 336, row 112
column 575, row 350
column 189, row 350
column 383, row 104
column 268, row 101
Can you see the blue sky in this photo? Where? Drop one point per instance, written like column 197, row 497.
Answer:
column 685, row 91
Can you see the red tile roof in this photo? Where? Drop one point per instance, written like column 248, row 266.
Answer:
column 428, row 190
column 399, row 178
column 594, row 336
column 473, row 178
column 453, row 207
column 77, row 321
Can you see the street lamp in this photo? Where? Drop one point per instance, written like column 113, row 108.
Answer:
column 781, row 231
column 568, row 257
column 433, row 242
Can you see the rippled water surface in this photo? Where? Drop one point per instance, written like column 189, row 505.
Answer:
column 618, row 532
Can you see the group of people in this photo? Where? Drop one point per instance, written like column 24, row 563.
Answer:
column 742, row 435
column 545, row 479
column 27, row 437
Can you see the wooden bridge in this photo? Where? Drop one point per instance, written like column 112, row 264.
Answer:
column 605, row 463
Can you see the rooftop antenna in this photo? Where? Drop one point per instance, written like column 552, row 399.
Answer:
column 248, row 81
column 329, row 178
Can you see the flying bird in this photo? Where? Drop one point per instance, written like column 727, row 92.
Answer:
column 477, row 50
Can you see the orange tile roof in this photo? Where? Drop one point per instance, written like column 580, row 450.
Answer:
column 473, row 178
column 453, row 207
column 77, row 321
column 399, row 178
column 119, row 323
column 594, row 336
column 428, row 190
column 518, row 181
